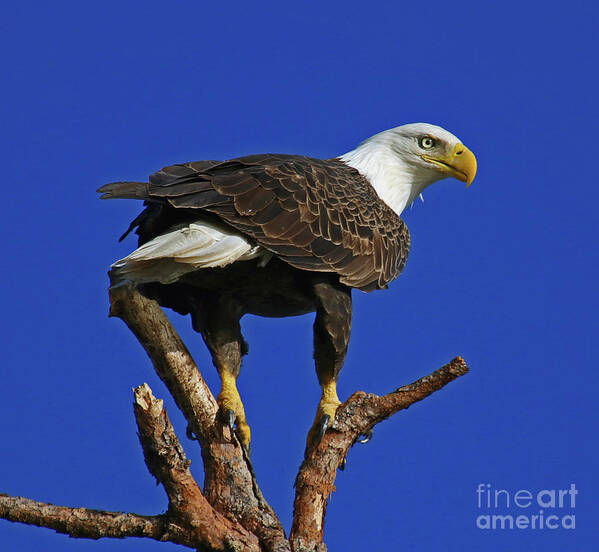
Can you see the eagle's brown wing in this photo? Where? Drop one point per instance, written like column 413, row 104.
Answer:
column 318, row 215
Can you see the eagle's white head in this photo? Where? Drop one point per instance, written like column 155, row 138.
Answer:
column 401, row 162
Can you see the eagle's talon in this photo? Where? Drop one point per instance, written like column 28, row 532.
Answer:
column 190, row 434
column 230, row 418
column 238, row 425
column 321, row 427
column 233, row 413
column 363, row 438
column 325, row 415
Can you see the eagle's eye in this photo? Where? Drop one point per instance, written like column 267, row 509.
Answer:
column 426, row 142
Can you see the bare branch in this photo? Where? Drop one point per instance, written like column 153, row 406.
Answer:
column 82, row 522
column 357, row 416
column 188, row 508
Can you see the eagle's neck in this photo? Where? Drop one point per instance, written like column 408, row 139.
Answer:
column 395, row 181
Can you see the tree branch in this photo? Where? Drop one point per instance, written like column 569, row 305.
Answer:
column 199, row 523
column 357, row 416
column 82, row 522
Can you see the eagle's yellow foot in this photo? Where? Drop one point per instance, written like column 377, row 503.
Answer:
column 325, row 414
column 232, row 410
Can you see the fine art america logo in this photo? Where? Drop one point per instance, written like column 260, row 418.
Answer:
column 526, row 509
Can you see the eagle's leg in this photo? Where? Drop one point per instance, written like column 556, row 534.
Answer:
column 218, row 321
column 331, row 336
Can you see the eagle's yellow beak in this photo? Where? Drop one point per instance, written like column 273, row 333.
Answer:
column 460, row 163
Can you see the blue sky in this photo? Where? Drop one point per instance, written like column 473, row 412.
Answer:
column 504, row 273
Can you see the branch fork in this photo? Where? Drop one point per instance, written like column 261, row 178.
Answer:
column 230, row 513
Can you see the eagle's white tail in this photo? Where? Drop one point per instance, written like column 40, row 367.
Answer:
column 183, row 249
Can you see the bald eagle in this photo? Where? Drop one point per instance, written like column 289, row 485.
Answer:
column 282, row 235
